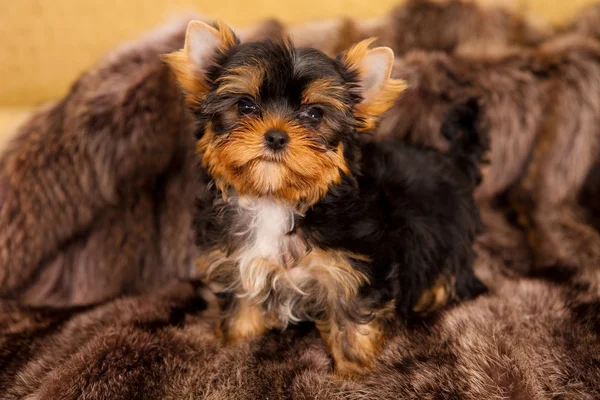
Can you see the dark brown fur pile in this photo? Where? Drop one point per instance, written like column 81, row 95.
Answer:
column 96, row 194
column 460, row 25
column 542, row 111
column 529, row 338
column 98, row 187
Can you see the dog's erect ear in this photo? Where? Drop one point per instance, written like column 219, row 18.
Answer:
column 377, row 88
column 190, row 64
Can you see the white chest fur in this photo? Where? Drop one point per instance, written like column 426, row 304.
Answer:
column 269, row 222
column 264, row 260
column 272, row 267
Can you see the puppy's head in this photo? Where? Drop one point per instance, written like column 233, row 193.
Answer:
column 276, row 120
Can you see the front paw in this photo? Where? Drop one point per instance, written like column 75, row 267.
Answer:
column 245, row 322
column 356, row 355
column 436, row 297
column 354, row 347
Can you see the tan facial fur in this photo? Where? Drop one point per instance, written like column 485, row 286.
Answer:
column 301, row 174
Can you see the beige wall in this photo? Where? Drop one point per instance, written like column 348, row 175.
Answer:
column 45, row 44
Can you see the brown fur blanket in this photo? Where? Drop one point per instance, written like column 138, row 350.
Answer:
column 97, row 281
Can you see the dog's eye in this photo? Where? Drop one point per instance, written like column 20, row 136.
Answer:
column 313, row 114
column 247, row 107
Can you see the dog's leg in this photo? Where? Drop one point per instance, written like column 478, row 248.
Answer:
column 354, row 346
column 244, row 320
column 435, row 297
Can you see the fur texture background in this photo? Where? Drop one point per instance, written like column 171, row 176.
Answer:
column 542, row 112
column 460, row 26
column 529, row 338
column 96, row 195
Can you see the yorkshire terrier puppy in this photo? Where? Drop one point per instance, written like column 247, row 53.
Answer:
column 308, row 219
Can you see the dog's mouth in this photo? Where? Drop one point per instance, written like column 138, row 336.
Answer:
column 271, row 157
column 300, row 173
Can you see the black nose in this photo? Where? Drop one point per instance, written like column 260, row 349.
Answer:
column 276, row 140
